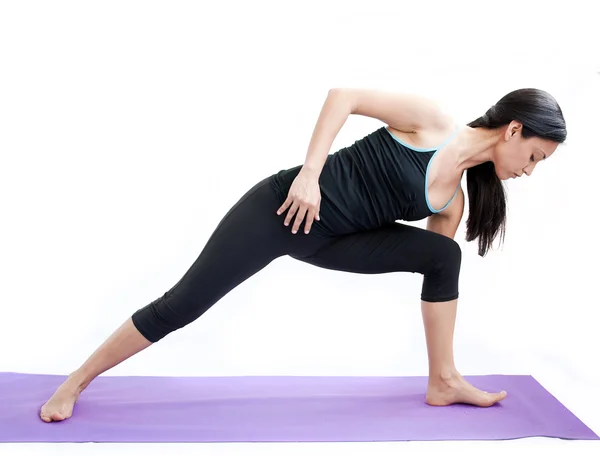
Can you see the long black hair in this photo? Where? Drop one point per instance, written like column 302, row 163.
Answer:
column 541, row 116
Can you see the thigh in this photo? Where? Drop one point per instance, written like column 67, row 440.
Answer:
column 247, row 239
column 394, row 247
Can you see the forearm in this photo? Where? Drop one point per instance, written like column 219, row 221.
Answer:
column 335, row 112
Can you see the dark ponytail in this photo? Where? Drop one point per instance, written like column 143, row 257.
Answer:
column 541, row 116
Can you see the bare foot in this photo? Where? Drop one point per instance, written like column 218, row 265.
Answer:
column 454, row 389
column 60, row 406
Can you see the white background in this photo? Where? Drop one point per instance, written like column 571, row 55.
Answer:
column 128, row 129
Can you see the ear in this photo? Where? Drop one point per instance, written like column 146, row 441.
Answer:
column 513, row 129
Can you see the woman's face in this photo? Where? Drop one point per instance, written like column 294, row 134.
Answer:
column 515, row 155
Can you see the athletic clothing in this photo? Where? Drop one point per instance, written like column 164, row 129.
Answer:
column 251, row 235
column 377, row 180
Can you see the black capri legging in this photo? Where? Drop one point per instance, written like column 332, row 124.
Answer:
column 252, row 235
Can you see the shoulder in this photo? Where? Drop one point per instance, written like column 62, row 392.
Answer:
column 429, row 135
column 436, row 134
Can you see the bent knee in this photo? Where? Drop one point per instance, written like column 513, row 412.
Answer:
column 452, row 252
column 442, row 274
column 446, row 260
column 447, row 254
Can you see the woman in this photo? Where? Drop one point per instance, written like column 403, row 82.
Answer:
column 347, row 204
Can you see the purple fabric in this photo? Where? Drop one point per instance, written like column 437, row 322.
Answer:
column 278, row 409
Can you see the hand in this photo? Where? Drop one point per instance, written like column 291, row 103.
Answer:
column 304, row 197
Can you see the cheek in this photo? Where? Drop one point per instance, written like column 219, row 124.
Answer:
column 500, row 165
column 515, row 157
column 504, row 157
column 508, row 160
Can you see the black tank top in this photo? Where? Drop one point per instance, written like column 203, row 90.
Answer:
column 376, row 181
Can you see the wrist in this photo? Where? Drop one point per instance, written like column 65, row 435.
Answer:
column 310, row 170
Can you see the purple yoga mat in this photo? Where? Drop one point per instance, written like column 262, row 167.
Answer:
column 278, row 409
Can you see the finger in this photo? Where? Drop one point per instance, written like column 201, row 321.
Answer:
column 284, row 206
column 309, row 221
column 299, row 218
column 318, row 212
column 291, row 213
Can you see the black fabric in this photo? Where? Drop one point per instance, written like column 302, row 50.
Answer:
column 251, row 235
column 375, row 181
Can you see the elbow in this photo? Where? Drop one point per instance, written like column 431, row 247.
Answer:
column 342, row 95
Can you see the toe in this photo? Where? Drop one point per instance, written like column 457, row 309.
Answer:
column 497, row 397
column 44, row 415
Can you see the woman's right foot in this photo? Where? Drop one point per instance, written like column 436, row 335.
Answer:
column 60, row 406
column 453, row 389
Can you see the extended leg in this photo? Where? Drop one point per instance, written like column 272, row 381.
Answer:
column 125, row 342
column 404, row 248
column 248, row 238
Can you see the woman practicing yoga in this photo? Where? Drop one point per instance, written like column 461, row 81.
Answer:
column 339, row 211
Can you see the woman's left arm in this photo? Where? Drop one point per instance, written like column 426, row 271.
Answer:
column 447, row 221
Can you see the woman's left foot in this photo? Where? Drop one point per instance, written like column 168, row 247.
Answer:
column 453, row 389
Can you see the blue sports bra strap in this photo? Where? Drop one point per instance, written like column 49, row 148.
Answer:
column 449, row 138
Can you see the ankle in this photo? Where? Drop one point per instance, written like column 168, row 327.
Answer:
column 444, row 375
column 79, row 380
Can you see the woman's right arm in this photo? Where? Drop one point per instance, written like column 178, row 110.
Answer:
column 304, row 197
column 401, row 111
column 334, row 113
column 404, row 112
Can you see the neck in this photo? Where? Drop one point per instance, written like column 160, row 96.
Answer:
column 475, row 146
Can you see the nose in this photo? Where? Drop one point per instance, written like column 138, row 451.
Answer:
column 529, row 169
